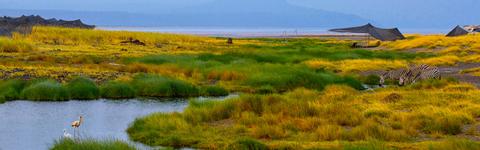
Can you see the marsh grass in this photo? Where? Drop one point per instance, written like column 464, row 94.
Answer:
column 338, row 113
column 46, row 91
column 214, row 91
column 159, row 86
column 117, row 90
column 247, row 144
column 81, row 88
column 11, row 89
column 91, row 144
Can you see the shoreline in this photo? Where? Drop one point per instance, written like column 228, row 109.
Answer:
column 255, row 32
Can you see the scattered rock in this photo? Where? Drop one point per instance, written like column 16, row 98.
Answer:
column 133, row 41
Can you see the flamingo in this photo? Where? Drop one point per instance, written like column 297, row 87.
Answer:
column 66, row 134
column 76, row 124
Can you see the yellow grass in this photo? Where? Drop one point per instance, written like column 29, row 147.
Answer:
column 435, row 42
column 448, row 60
column 402, row 117
column 356, row 65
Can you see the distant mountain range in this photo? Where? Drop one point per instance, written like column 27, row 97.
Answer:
column 223, row 13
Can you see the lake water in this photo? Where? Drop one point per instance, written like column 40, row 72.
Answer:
column 26, row 125
column 252, row 31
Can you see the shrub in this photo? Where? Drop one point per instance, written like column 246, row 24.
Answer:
column 158, row 86
column 83, row 89
column 91, row 144
column 117, row 90
column 45, row 91
column 214, row 91
column 247, row 144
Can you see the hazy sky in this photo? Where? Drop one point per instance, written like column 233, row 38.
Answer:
column 384, row 11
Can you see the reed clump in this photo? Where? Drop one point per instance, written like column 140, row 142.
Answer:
column 91, row 144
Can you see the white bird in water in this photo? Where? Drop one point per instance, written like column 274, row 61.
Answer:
column 66, row 134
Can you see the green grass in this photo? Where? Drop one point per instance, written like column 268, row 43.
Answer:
column 46, row 91
column 82, row 88
column 285, row 78
column 11, row 89
column 214, row 91
column 158, row 86
column 247, row 144
column 117, row 90
column 309, row 117
column 454, row 143
column 91, row 144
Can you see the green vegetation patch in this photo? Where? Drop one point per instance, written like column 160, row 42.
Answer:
column 117, row 90
column 309, row 118
column 91, row 144
column 11, row 89
column 46, row 91
column 159, row 86
column 82, row 88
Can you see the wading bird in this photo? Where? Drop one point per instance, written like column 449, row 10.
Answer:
column 66, row 134
column 76, row 124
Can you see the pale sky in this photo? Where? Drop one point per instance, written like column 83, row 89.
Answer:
column 384, row 11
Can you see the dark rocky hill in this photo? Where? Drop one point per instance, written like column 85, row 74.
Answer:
column 24, row 24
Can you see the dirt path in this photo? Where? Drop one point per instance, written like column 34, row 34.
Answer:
column 455, row 72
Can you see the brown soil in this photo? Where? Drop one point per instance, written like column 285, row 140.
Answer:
column 448, row 71
column 455, row 72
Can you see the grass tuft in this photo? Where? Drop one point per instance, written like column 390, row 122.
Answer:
column 82, row 88
column 117, row 90
column 91, row 144
column 46, row 91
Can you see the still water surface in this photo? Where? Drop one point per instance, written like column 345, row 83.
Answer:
column 26, row 125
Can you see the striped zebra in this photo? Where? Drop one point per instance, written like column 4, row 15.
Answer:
column 419, row 73
column 392, row 75
column 412, row 74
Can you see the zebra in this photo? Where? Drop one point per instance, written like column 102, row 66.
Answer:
column 418, row 73
column 392, row 75
column 411, row 75
column 423, row 72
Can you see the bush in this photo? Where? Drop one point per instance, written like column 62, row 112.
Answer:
column 45, row 91
column 214, row 91
column 83, row 89
column 117, row 90
column 158, row 86
column 91, row 144
column 247, row 144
